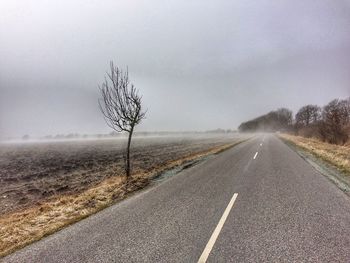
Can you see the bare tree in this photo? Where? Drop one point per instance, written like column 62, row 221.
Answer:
column 121, row 106
column 285, row 117
column 307, row 115
column 335, row 117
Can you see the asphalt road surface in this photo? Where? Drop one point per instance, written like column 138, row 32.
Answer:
column 257, row 202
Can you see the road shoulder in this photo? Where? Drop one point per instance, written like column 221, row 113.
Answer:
column 329, row 171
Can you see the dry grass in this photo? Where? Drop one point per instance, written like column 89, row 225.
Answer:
column 21, row 228
column 338, row 156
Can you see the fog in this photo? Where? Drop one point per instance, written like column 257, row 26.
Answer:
column 199, row 65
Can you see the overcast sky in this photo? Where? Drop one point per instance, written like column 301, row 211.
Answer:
column 199, row 64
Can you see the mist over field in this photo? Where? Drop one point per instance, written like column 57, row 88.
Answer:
column 206, row 131
column 199, row 65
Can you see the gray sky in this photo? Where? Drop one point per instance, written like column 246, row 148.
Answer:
column 199, row 64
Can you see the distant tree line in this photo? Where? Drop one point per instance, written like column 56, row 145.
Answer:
column 330, row 123
column 281, row 119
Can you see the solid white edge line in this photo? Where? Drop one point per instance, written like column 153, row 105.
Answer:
column 203, row 258
column 256, row 154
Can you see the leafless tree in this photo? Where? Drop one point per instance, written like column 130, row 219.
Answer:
column 307, row 115
column 345, row 111
column 121, row 106
column 285, row 117
column 335, row 117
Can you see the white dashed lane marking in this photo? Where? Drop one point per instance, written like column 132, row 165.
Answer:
column 217, row 230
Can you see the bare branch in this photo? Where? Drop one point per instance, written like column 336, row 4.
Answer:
column 120, row 103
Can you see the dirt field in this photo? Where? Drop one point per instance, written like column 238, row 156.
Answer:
column 32, row 172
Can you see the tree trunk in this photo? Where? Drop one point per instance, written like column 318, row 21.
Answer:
column 127, row 168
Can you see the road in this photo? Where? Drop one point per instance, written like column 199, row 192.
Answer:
column 257, row 202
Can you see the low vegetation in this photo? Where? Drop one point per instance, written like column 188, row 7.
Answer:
column 335, row 155
column 27, row 225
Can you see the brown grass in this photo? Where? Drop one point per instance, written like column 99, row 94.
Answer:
column 337, row 156
column 19, row 229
